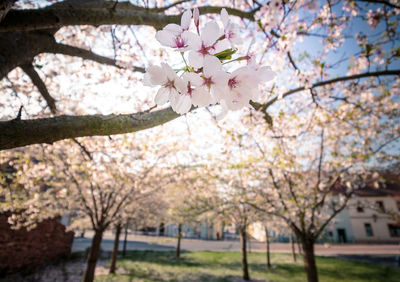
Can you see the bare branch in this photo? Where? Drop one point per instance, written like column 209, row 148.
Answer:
column 38, row 82
column 292, row 61
column 59, row 48
column 83, row 148
column 384, row 2
column 258, row 106
column 163, row 9
column 334, row 213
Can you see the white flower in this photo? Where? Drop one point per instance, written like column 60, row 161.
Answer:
column 214, row 82
column 167, row 78
column 206, row 45
column 230, row 29
column 243, row 85
column 177, row 36
column 183, row 102
column 200, row 95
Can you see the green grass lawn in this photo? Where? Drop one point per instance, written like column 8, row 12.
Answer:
column 225, row 266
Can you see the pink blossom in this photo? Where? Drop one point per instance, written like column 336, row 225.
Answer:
column 176, row 36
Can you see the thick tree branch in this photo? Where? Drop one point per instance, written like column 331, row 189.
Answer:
column 38, row 82
column 106, row 13
column 17, row 133
column 59, row 48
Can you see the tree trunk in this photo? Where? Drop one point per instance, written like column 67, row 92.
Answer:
column 125, row 239
column 178, row 246
column 299, row 245
column 115, row 249
column 245, row 267
column 93, row 256
column 267, row 248
column 293, row 248
column 309, row 259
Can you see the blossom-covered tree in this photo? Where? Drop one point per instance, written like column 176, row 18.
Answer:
column 95, row 185
column 68, row 31
column 305, row 172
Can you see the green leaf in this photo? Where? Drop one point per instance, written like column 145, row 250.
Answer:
column 226, row 54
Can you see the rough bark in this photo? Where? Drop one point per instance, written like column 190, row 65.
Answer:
column 309, row 259
column 19, row 48
column 125, row 240
column 178, row 245
column 243, row 241
column 293, row 248
column 97, row 13
column 94, row 254
column 17, row 133
column 267, row 248
column 115, row 249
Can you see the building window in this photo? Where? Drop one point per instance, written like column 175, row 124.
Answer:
column 360, row 208
column 394, row 230
column 368, row 230
column 380, row 206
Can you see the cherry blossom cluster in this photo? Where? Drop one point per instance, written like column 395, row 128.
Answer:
column 203, row 81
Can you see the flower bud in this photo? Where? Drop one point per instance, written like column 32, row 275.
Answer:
column 196, row 17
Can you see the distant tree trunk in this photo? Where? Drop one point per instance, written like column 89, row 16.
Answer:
column 293, row 248
column 267, row 248
column 115, row 249
column 178, row 246
column 299, row 245
column 245, row 267
column 309, row 259
column 125, row 239
column 93, row 256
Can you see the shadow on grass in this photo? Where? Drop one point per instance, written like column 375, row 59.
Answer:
column 166, row 258
column 343, row 269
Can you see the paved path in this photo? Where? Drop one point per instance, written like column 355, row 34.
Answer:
column 139, row 242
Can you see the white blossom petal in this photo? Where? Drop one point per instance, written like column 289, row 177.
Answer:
column 156, row 75
column 180, row 85
column 194, row 78
column 186, row 20
column 195, row 59
column 191, row 40
column 211, row 65
column 221, row 46
column 162, row 96
column 174, row 29
column 166, row 38
column 201, row 97
column 182, row 104
column 224, row 17
column 210, row 33
column 169, row 72
column 194, row 42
